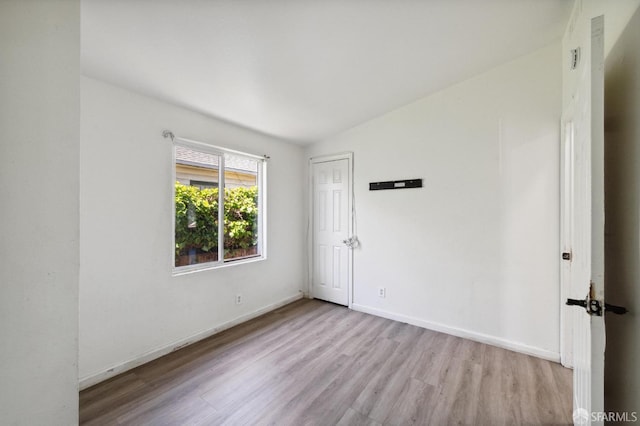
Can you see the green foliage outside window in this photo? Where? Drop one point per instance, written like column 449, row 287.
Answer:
column 196, row 225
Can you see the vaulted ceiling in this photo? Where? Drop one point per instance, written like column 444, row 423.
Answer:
column 304, row 70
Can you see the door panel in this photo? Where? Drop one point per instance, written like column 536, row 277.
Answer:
column 331, row 219
column 597, row 212
column 587, row 269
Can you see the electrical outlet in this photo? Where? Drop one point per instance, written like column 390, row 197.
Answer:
column 382, row 292
column 238, row 299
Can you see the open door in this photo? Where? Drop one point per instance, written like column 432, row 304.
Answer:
column 587, row 248
column 583, row 202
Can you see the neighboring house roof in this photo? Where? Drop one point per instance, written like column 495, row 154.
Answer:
column 202, row 159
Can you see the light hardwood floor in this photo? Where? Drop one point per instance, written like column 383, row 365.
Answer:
column 315, row 363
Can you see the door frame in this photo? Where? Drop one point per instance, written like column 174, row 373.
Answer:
column 566, row 237
column 310, row 224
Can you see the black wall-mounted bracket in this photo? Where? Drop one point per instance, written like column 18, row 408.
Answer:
column 396, row 184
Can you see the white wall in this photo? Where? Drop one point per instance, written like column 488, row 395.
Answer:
column 475, row 252
column 622, row 243
column 131, row 308
column 40, row 120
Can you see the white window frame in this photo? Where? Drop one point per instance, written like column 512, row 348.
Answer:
column 261, row 179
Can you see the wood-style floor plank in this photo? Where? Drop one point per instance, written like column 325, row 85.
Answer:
column 315, row 363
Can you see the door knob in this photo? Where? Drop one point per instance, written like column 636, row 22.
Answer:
column 351, row 242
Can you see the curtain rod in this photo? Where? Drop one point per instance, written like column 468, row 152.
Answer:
column 169, row 134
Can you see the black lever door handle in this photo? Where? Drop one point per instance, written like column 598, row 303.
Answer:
column 576, row 302
column 592, row 306
column 595, row 307
column 619, row 310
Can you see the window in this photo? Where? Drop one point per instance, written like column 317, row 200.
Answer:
column 212, row 226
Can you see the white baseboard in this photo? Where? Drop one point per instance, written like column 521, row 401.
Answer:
column 95, row 378
column 460, row 332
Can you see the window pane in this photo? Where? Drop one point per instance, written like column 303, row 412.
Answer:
column 196, row 204
column 240, row 207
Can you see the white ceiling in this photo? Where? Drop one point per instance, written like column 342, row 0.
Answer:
column 305, row 70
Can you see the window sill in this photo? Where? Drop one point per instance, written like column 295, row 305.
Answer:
column 191, row 269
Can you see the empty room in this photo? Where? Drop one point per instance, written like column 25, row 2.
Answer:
column 355, row 212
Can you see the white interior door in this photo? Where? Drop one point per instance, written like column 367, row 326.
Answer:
column 331, row 207
column 587, row 269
